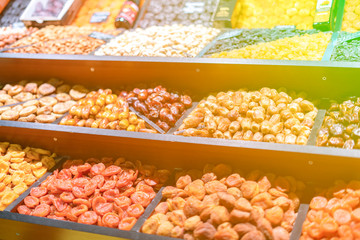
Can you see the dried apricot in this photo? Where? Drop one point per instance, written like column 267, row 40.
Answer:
column 41, row 210
column 318, row 203
column 127, row 223
column 342, row 216
column 249, row 189
column 135, row 210
column 215, row 187
column 89, row 217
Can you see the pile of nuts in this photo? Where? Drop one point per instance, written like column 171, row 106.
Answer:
column 47, row 108
column 90, row 7
column 267, row 115
column 19, row 169
column 159, row 105
column 160, row 13
column 351, row 19
column 59, row 40
column 270, row 13
column 307, row 47
column 160, row 41
column 222, row 205
column 103, row 109
column 341, row 126
column 243, row 37
column 335, row 216
column 106, row 192
column 9, row 35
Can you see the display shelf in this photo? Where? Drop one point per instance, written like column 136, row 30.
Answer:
column 274, row 159
column 317, row 166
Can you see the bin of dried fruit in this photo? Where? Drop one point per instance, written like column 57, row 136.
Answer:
column 20, row 168
column 106, row 192
column 90, row 7
column 351, row 19
column 266, row 115
column 103, row 109
column 9, row 35
column 347, row 48
column 334, row 213
column 310, row 47
column 270, row 13
column 43, row 103
column 341, row 125
column 241, row 38
column 157, row 104
column 188, row 12
column 218, row 204
column 160, row 41
column 59, row 40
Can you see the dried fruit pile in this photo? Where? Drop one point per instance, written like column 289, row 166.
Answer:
column 47, row 108
column 159, row 105
column 103, row 109
column 59, row 40
column 106, row 192
column 266, row 115
column 90, row 7
column 9, row 35
column 185, row 12
column 221, row 205
column 305, row 47
column 19, row 169
column 336, row 216
column 244, row 37
column 270, row 13
column 341, row 126
column 351, row 19
column 348, row 51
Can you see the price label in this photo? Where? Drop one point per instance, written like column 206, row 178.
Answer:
column 99, row 17
column 284, row 27
column 18, row 25
column 194, row 7
column 101, row 36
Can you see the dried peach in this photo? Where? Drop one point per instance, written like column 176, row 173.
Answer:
column 183, row 181
column 226, row 199
column 243, row 204
column 215, row 187
column 192, row 222
column 219, row 215
column 226, row 234
column 196, row 189
column 205, row 231
column 192, row 207
column 249, row 189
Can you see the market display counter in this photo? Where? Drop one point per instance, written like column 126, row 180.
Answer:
column 317, row 167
